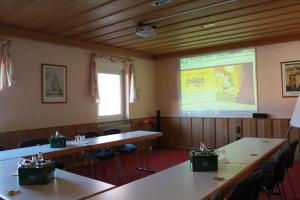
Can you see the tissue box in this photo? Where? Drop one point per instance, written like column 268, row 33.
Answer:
column 57, row 142
column 203, row 162
column 36, row 176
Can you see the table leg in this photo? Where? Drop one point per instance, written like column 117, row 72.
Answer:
column 145, row 156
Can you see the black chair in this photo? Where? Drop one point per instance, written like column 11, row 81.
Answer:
column 34, row 142
column 111, row 131
column 126, row 148
column 290, row 163
column 274, row 172
column 3, row 148
column 217, row 196
column 90, row 134
column 99, row 154
column 248, row 189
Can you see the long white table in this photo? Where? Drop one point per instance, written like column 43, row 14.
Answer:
column 65, row 186
column 179, row 182
column 250, row 150
column 89, row 144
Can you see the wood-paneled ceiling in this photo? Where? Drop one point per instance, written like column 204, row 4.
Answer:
column 216, row 23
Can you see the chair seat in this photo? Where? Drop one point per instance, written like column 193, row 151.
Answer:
column 127, row 148
column 103, row 154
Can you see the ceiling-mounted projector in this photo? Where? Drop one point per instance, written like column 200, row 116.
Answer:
column 145, row 30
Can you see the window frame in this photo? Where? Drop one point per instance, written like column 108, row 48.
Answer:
column 117, row 71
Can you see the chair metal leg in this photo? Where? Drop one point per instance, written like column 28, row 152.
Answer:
column 118, row 164
column 268, row 193
column 291, row 184
column 81, row 164
column 146, row 155
column 136, row 158
column 104, row 166
column 94, row 167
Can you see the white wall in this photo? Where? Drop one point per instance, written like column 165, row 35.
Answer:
column 21, row 107
column 270, row 98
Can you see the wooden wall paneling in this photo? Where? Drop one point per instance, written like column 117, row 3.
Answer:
column 37, row 133
column 234, row 129
column 280, row 127
column 221, row 132
column 69, row 132
column 249, row 127
column 51, row 130
column 3, row 139
column 14, row 138
column 209, row 129
column 185, row 135
column 138, row 124
column 82, row 128
column 197, row 131
column 295, row 134
column 170, row 127
column 264, row 128
column 93, row 127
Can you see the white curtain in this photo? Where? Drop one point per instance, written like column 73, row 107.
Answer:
column 7, row 76
column 94, row 80
column 131, row 89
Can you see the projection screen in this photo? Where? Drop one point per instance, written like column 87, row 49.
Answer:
column 221, row 84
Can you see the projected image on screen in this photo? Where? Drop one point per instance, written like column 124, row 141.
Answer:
column 221, row 84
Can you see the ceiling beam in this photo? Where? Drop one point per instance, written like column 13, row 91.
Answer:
column 15, row 32
column 237, row 45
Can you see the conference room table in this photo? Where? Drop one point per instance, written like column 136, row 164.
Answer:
column 180, row 182
column 65, row 186
column 89, row 144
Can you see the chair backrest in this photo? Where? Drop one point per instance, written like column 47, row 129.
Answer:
column 2, row 148
column 293, row 145
column 217, row 196
column 111, row 131
column 282, row 159
column 33, row 142
column 248, row 189
column 90, row 134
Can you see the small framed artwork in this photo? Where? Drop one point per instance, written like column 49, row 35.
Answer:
column 290, row 75
column 54, row 83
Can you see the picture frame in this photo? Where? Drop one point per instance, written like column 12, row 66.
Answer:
column 290, row 76
column 54, row 83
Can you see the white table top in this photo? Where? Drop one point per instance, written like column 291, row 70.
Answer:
column 90, row 143
column 179, row 182
column 248, row 150
column 175, row 183
column 65, row 186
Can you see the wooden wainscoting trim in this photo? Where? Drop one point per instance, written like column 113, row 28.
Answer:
column 185, row 132
column 12, row 139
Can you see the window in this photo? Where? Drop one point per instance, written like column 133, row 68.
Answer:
column 111, row 106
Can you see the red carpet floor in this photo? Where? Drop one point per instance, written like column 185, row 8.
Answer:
column 159, row 160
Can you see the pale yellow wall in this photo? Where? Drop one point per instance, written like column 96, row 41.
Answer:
column 21, row 107
column 268, row 81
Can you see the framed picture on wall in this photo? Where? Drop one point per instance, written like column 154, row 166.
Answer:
column 54, row 83
column 290, row 76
